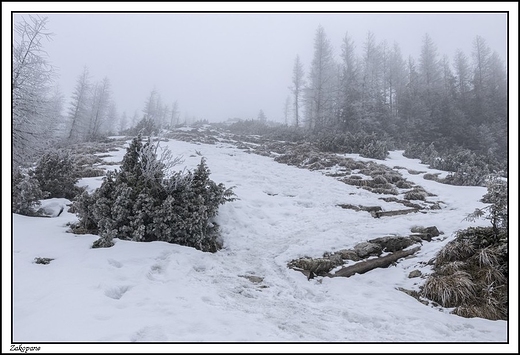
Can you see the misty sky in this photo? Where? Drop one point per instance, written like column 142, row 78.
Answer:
column 219, row 66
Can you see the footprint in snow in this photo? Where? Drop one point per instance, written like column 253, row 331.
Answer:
column 116, row 292
column 149, row 333
column 115, row 263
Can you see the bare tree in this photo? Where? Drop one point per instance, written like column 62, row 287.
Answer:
column 31, row 78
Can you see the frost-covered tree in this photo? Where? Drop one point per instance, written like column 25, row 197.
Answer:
column 261, row 116
column 481, row 54
column 349, row 86
column 287, row 110
column 298, row 84
column 429, row 65
column 463, row 76
column 155, row 110
column 57, row 174
column 122, row 123
column 319, row 93
column 174, row 115
column 99, row 105
column 31, row 77
column 79, row 106
column 26, row 193
column 55, row 127
column 150, row 105
column 395, row 79
column 109, row 126
column 372, row 81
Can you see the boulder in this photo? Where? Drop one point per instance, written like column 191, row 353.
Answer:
column 393, row 243
column 347, row 254
column 423, row 236
column 414, row 273
column 432, row 231
column 366, row 249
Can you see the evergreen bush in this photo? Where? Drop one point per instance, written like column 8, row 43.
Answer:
column 26, row 193
column 139, row 203
column 57, row 174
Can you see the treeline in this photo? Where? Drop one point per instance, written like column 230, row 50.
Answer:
column 432, row 101
column 44, row 118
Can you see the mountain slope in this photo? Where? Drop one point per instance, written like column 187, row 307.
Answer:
column 138, row 292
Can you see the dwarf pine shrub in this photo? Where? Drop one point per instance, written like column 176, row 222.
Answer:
column 57, row 175
column 26, row 193
column 140, row 203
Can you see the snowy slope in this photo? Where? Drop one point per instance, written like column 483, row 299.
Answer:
column 140, row 292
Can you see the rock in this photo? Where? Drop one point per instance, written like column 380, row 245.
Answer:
column 367, row 249
column 254, row 279
column 415, row 195
column 43, row 261
column 414, row 273
column 102, row 243
column 392, row 243
column 423, row 236
column 434, row 177
column 336, row 259
column 416, row 238
column 347, row 254
column 433, row 231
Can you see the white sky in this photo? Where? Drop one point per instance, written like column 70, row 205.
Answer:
column 219, row 66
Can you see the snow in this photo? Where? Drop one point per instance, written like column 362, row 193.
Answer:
column 160, row 292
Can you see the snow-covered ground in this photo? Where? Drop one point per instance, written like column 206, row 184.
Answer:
column 159, row 292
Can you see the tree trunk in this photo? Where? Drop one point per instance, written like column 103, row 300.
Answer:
column 364, row 266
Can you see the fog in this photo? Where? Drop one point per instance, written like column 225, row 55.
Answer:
column 226, row 65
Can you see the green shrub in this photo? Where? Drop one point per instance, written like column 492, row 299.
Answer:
column 26, row 193
column 57, row 175
column 139, row 203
